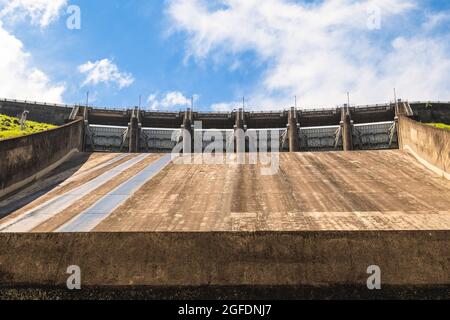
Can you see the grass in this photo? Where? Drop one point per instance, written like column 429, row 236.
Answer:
column 10, row 127
column 440, row 125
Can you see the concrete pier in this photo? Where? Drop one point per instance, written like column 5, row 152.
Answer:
column 187, row 131
column 134, row 132
column 85, row 129
column 347, row 129
column 239, row 132
column 293, row 131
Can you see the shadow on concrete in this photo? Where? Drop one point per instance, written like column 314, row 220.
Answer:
column 337, row 292
column 22, row 197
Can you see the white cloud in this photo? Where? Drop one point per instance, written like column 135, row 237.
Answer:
column 168, row 101
column 18, row 78
column 105, row 71
column 434, row 20
column 224, row 106
column 41, row 12
column 319, row 51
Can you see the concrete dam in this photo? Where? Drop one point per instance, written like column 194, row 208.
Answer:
column 349, row 188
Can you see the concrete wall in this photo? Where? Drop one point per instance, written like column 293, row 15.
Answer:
column 58, row 114
column 406, row 258
column 40, row 112
column 25, row 159
column 429, row 145
column 431, row 111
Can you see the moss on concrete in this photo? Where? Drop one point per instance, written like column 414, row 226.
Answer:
column 440, row 125
column 10, row 127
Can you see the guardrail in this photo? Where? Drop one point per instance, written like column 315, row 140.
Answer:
column 38, row 103
column 253, row 112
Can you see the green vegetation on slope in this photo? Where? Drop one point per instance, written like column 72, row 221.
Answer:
column 10, row 127
column 440, row 125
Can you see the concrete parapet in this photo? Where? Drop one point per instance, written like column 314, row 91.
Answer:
column 58, row 114
column 47, row 113
column 431, row 146
column 320, row 259
column 27, row 158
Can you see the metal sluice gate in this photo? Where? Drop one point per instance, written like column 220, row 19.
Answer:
column 372, row 136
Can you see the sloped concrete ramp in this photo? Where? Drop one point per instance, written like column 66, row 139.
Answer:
column 319, row 222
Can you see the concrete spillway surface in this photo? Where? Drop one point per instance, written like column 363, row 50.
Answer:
column 88, row 219
column 41, row 213
column 370, row 190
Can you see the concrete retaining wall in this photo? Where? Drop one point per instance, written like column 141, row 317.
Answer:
column 431, row 111
column 429, row 145
column 40, row 112
column 27, row 158
column 410, row 258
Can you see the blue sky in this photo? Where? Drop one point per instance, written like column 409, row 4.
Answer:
column 219, row 51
